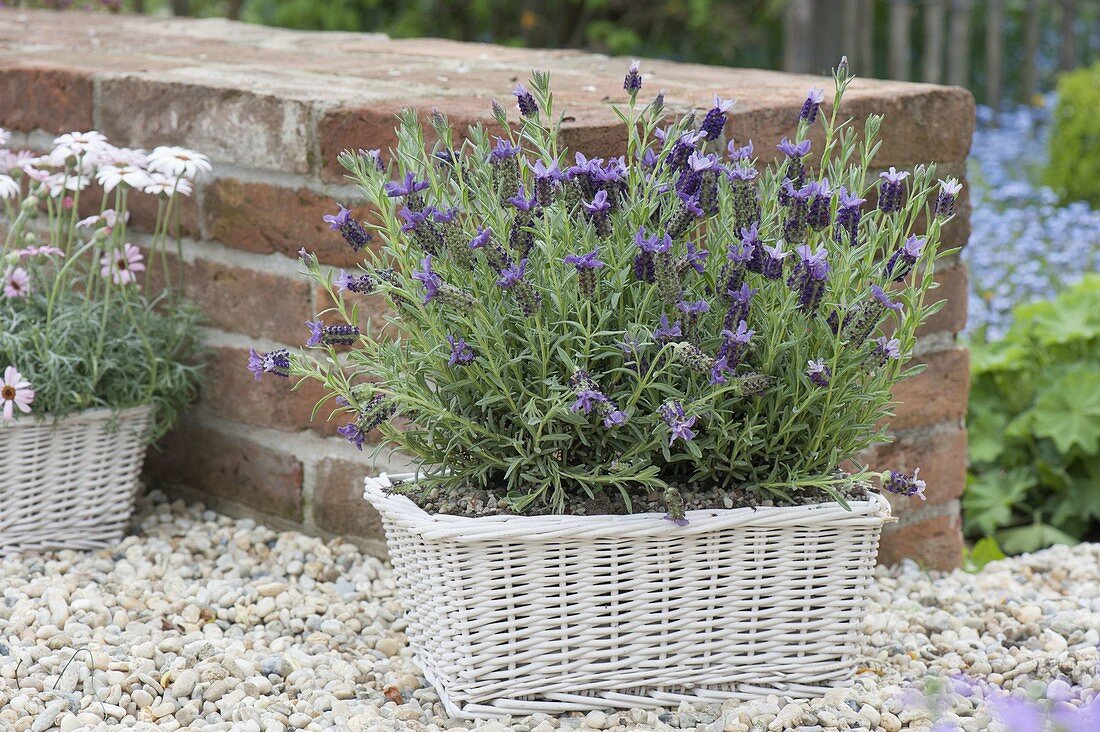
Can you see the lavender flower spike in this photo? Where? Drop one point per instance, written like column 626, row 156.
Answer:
column 406, row 188
column 586, row 265
column 887, row 349
column 891, row 190
column 902, row 261
column 353, row 434
column 632, row 84
column 819, row 373
column 353, row 232
column 526, row 102
column 848, row 214
column 715, row 121
column 665, row 333
column 461, row 353
column 276, row 362
column 672, row 412
column 949, row 194
column 811, row 106
column 773, row 261
column 794, row 150
column 331, row 335
column 905, row 485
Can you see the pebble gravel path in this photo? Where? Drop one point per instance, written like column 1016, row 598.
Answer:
column 205, row 622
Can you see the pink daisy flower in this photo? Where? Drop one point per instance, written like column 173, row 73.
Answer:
column 122, row 265
column 17, row 283
column 15, row 391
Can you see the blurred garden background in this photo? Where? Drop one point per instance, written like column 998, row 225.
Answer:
column 1034, row 324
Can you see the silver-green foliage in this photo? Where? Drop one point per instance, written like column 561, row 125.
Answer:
column 505, row 421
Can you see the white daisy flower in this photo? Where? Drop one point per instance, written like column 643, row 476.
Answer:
column 59, row 184
column 5, row 136
column 77, row 143
column 111, row 175
column 9, row 187
column 177, row 161
column 166, row 185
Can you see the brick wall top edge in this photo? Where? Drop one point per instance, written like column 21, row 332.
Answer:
column 428, row 67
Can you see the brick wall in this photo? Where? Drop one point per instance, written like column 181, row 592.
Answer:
column 273, row 108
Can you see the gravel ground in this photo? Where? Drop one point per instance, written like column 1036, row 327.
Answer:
column 205, row 622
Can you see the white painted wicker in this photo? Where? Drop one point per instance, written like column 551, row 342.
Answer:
column 70, row 483
column 516, row 615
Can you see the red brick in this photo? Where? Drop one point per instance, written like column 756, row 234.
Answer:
column 939, row 394
column 338, row 503
column 263, row 218
column 56, row 99
column 953, row 288
column 934, row 543
column 941, row 457
column 231, row 391
column 234, row 125
column 230, row 467
column 259, row 304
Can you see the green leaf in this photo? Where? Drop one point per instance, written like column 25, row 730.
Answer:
column 990, row 498
column 1069, row 413
column 984, row 551
column 1033, row 537
column 985, row 435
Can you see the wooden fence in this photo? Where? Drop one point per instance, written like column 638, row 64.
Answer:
column 941, row 41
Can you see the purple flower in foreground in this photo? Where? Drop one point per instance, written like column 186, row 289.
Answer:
column 586, row 265
column 948, row 195
column 715, row 121
column 848, row 214
column 739, row 153
column 525, row 101
column 905, row 485
column 461, row 353
column 276, row 362
column 587, row 400
column 353, row 434
column 773, row 261
column 331, row 335
column 521, row 202
column 364, row 284
column 809, row 276
column 374, row 157
column 817, row 215
column 665, row 332
column 811, row 106
column 819, row 373
column 590, row 398
column 406, row 188
column 902, row 261
column 353, row 232
column 547, row 178
column 429, row 279
column 887, row 349
column 632, row 84
column 740, row 302
column 503, row 150
column 794, row 150
column 891, row 190
column 512, row 275
column 672, row 412
column 733, row 347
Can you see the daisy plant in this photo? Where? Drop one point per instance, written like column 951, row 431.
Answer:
column 687, row 317
column 92, row 314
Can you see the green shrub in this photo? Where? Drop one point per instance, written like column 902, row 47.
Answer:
column 1074, row 167
column 1035, row 425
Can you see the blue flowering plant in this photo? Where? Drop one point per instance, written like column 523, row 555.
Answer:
column 677, row 327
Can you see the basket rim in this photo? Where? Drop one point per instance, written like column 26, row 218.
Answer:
column 97, row 414
column 875, row 511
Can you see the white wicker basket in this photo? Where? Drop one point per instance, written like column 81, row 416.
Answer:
column 516, row 615
column 70, row 483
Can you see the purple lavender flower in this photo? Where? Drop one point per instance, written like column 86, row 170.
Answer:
column 683, row 148
column 353, row 232
column 861, row 320
column 734, row 344
column 692, row 311
column 374, row 157
column 587, row 400
column 586, row 265
column 794, row 150
column 772, row 268
column 809, row 277
column 819, row 373
column 891, row 190
column 276, row 362
column 811, row 106
column 512, row 279
column 461, row 353
column 672, row 412
column 715, row 121
column 649, row 158
column 849, row 212
column 739, row 153
column 695, row 259
column 525, row 101
column 429, row 279
column 598, row 213
column 632, row 84
column 503, row 150
column 363, row 284
column 750, row 239
column 353, row 434
column 521, row 202
column 739, row 254
column 498, row 112
column 905, row 485
column 887, row 349
column 590, row 398
column 331, row 335
column 614, row 418
column 948, row 195
column 883, row 299
column 665, row 333
column 817, row 215
column 902, row 261
column 409, row 187
column 797, row 203
column 684, row 216
column 510, row 276
column 740, row 303
column 718, row 371
column 547, row 179
column 793, row 171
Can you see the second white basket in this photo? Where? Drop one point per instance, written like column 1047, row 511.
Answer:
column 524, row 614
column 70, row 483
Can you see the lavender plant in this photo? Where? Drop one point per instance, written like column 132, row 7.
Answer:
column 681, row 319
column 82, row 324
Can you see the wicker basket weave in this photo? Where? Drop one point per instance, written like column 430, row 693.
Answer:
column 70, row 483
column 516, row 615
